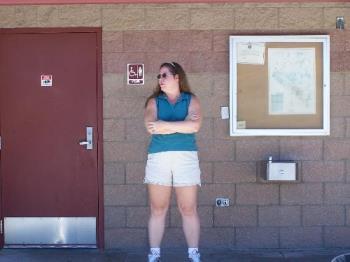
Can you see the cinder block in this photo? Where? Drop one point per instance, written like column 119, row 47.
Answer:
column 212, row 105
column 257, row 194
column 205, row 214
column 113, row 85
column 301, row 194
column 135, row 172
column 209, row 192
column 330, row 14
column 174, row 238
column 78, row 15
column 221, row 62
column 123, row 19
column 8, row 14
column 234, row 172
column 48, row 16
column 26, row 16
column 338, row 39
column 137, row 217
column 222, row 129
column 114, row 130
column 115, row 217
column 202, row 40
column 338, row 127
column 235, row 216
column 125, row 195
column 146, row 41
column 201, row 84
column 217, row 237
column 337, row 83
column 255, row 237
column 206, row 131
column 136, row 131
column 169, row 18
column 213, row 18
column 256, row 18
column 116, row 62
column 124, row 151
column 347, row 78
column 337, row 236
column 256, row 149
column 126, row 238
column 301, row 18
column 346, row 61
column 221, row 85
column 202, row 62
column 122, row 108
column 323, row 171
column 323, row 215
column 301, row 237
column 112, row 42
column 206, row 172
column 216, row 150
column 337, row 62
column 155, row 59
column 195, row 40
column 337, row 149
column 280, row 216
column 337, row 193
column 221, row 40
column 340, row 106
column 301, row 149
column 177, row 37
column 114, row 173
column 209, row 62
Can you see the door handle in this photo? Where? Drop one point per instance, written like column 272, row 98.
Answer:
column 89, row 138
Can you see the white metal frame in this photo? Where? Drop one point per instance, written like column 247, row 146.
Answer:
column 325, row 130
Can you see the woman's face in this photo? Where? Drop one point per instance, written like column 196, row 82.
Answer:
column 168, row 82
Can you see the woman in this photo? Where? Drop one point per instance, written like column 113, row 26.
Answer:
column 172, row 117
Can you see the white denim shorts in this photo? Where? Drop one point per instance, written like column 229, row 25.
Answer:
column 173, row 168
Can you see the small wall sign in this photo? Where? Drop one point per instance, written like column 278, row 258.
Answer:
column 46, row 80
column 136, row 74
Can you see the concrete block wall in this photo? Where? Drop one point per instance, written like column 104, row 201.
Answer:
column 310, row 214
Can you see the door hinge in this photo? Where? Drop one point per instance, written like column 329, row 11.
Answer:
column 1, row 227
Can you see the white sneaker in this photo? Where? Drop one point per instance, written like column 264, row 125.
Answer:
column 194, row 257
column 153, row 258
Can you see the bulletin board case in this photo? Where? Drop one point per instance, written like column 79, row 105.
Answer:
column 280, row 85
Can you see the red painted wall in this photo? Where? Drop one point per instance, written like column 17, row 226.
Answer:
column 8, row 2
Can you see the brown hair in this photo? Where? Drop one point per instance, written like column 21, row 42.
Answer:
column 174, row 69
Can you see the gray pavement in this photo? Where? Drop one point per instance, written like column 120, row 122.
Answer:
column 169, row 255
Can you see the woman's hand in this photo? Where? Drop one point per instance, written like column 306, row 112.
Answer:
column 158, row 127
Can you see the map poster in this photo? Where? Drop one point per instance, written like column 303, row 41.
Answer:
column 292, row 81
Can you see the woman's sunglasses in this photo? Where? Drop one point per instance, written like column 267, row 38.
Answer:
column 164, row 75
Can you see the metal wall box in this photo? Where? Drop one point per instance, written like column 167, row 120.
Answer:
column 280, row 171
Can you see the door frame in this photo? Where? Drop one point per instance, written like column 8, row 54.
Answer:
column 99, row 111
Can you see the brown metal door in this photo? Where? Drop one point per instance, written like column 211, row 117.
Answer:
column 45, row 172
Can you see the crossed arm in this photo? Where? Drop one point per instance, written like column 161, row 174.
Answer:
column 191, row 124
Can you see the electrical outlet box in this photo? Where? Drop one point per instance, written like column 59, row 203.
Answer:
column 281, row 171
column 222, row 202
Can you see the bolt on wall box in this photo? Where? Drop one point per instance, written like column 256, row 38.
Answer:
column 281, row 171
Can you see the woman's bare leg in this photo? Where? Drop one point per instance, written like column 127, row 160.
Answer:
column 159, row 197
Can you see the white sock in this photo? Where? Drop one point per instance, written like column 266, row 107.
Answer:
column 155, row 251
column 192, row 250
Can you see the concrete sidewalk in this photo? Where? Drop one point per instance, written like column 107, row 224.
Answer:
column 83, row 255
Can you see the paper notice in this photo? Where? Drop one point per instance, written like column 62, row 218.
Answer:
column 251, row 53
